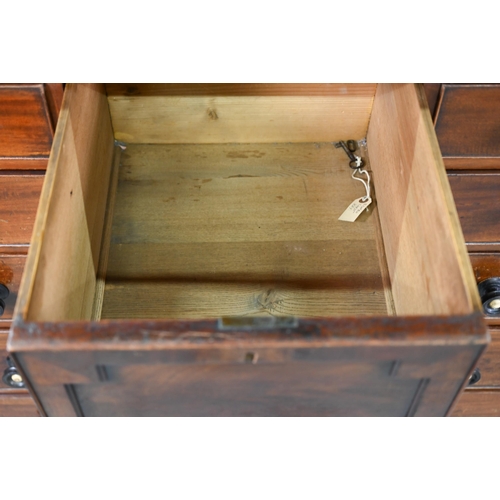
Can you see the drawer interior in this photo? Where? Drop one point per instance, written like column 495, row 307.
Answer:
column 211, row 230
column 223, row 201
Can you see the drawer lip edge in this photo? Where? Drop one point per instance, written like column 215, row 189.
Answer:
column 314, row 333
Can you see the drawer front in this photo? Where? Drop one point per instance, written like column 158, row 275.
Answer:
column 11, row 271
column 485, row 265
column 25, row 126
column 19, row 197
column 468, row 125
column 478, row 403
column 489, row 364
column 477, row 198
column 14, row 402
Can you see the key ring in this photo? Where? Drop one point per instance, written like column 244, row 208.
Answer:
column 365, row 183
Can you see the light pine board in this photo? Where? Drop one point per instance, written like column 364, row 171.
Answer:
column 427, row 261
column 60, row 275
column 238, row 229
column 241, row 119
column 106, row 238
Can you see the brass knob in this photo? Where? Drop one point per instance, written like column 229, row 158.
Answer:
column 475, row 377
column 4, row 293
column 489, row 291
column 12, row 377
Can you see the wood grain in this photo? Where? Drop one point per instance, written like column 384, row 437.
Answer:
column 330, row 379
column 478, row 206
column 54, row 94
column 106, row 238
column 217, row 230
column 19, row 194
column 240, row 89
column 240, row 119
column 476, row 163
column 17, row 405
column 478, row 403
column 25, row 125
column 348, row 361
column 285, row 389
column 3, row 342
column 201, row 299
column 467, row 124
column 68, row 230
column 429, row 274
column 369, row 331
column 485, row 265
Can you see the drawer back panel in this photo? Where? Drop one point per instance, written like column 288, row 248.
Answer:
column 170, row 114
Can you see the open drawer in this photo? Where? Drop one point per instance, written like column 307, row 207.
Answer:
column 187, row 257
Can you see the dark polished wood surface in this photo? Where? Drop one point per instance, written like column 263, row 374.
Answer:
column 25, row 122
column 467, row 122
column 467, row 126
column 17, row 405
column 114, row 367
column 489, row 364
column 28, row 117
column 485, row 265
column 19, row 193
column 477, row 198
column 478, row 403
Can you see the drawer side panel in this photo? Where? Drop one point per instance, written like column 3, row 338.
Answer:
column 429, row 267
column 62, row 262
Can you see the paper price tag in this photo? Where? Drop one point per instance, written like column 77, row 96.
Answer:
column 355, row 209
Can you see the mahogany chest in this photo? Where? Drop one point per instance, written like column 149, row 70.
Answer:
column 188, row 258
